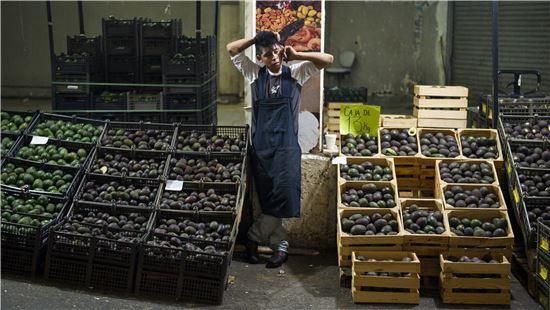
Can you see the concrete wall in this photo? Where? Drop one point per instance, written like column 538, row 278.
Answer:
column 25, row 50
column 230, row 84
column 396, row 43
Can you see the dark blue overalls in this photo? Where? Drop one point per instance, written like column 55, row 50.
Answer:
column 276, row 154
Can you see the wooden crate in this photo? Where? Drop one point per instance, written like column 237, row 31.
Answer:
column 425, row 244
column 416, row 193
column 439, row 183
column 354, row 160
column 397, row 121
column 440, row 106
column 348, row 243
column 490, row 133
column 494, row 244
column 343, row 186
column 492, row 188
column 477, row 278
column 430, row 160
column 406, row 287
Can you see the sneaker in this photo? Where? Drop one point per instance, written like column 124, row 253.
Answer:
column 252, row 252
column 279, row 257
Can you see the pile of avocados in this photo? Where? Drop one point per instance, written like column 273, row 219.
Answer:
column 418, row 221
column 479, row 147
column 495, row 227
column 376, row 224
column 98, row 190
column 124, row 227
column 531, row 157
column 7, row 143
column 68, row 131
column 360, row 145
column 33, row 177
column 117, row 164
column 528, row 130
column 534, row 184
column 438, row 144
column 369, row 195
column 366, row 171
column 195, row 142
column 151, row 139
column 481, row 197
column 466, row 172
column 53, row 154
column 33, row 210
column 383, row 273
column 208, row 200
column 398, row 142
column 13, row 122
column 196, row 169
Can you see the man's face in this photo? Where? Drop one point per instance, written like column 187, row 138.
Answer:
column 272, row 57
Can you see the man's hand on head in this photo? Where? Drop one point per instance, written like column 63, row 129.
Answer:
column 290, row 53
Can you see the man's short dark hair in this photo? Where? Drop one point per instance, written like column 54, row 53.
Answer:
column 265, row 39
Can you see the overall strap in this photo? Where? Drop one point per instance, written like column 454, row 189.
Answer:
column 262, row 81
column 286, row 82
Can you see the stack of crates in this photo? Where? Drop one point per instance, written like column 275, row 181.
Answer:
column 543, row 264
column 121, row 39
column 194, row 67
column 157, row 39
column 75, row 68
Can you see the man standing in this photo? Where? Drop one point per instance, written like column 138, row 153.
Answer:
column 275, row 152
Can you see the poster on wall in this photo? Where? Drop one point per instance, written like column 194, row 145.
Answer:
column 300, row 24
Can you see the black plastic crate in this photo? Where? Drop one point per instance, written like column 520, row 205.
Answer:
column 139, row 183
column 156, row 47
column 137, row 155
column 113, row 27
column 84, row 44
column 23, row 262
column 155, row 29
column 44, row 117
column 201, row 117
column 202, row 187
column 7, row 150
column 19, row 163
column 505, row 120
column 68, row 101
column 511, row 148
column 70, row 146
column 91, row 261
column 346, row 94
column 543, row 293
column 517, row 106
column 543, row 268
column 121, row 46
column 152, row 65
column 543, row 236
column 169, row 128
column 144, row 101
column 72, row 85
column 122, row 64
column 147, row 117
column 31, row 116
column 152, row 78
column 224, row 159
column 209, row 131
column 110, row 101
column 73, row 64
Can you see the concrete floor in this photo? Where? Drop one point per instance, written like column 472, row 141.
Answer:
column 305, row 282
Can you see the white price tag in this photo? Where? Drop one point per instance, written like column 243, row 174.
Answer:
column 39, row 140
column 72, row 87
column 339, row 160
column 174, row 185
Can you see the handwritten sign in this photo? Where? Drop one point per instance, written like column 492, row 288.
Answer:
column 359, row 119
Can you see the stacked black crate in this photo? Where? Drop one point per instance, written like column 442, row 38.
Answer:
column 121, row 39
column 190, row 81
column 71, row 72
column 157, row 39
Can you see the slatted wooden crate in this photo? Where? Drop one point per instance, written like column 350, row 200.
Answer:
column 401, row 287
column 398, row 121
column 439, row 183
column 343, row 186
column 495, row 189
column 440, row 106
column 500, row 245
column 348, row 243
column 475, row 283
column 490, row 133
column 377, row 161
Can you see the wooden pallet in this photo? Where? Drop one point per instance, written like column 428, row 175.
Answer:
column 441, row 106
column 490, row 133
column 426, row 244
column 495, row 189
column 478, row 278
column 398, row 121
column 499, row 245
column 406, row 288
column 348, row 243
column 355, row 160
column 343, row 186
